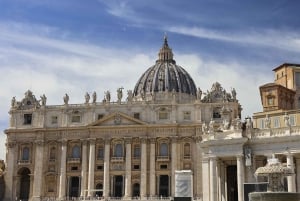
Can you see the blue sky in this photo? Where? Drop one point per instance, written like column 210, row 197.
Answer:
column 77, row 46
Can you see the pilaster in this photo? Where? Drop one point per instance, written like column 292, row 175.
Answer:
column 128, row 168
column 38, row 170
column 91, row 173
column 143, row 168
column 62, row 177
column 106, row 175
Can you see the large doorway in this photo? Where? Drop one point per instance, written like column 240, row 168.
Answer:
column 74, row 187
column 24, row 184
column 164, row 185
column 99, row 190
column 232, row 192
column 118, row 187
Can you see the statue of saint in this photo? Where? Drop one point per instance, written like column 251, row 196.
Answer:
column 120, row 94
column 267, row 121
column 13, row 101
column 211, row 126
column 233, row 93
column 87, row 97
column 199, row 94
column 94, row 97
column 129, row 95
column 286, row 120
column 43, row 99
column 66, row 99
column 107, row 96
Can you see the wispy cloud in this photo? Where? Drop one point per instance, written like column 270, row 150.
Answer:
column 286, row 40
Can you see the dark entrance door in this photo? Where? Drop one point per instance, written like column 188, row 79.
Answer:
column 99, row 192
column 74, row 187
column 24, row 184
column 136, row 190
column 118, row 190
column 164, row 185
column 232, row 192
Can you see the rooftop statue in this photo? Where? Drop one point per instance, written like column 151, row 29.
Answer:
column 94, row 97
column 66, row 99
column 87, row 97
column 43, row 99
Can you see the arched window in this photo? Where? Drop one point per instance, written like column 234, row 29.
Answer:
column 187, row 149
column 52, row 153
column 163, row 149
column 25, row 153
column 118, row 150
column 76, row 152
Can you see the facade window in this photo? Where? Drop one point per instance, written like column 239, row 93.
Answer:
column 136, row 151
column 163, row 115
column 118, row 150
column 76, row 118
column 163, row 149
column 100, row 116
column 187, row 149
column 52, row 153
column 276, row 122
column 297, row 79
column 292, row 120
column 187, row 115
column 27, row 119
column 136, row 167
column 261, row 123
column 54, row 119
column 164, row 167
column 25, row 154
column 136, row 115
column 76, row 152
column 100, row 154
column 270, row 100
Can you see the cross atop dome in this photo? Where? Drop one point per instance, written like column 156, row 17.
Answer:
column 165, row 53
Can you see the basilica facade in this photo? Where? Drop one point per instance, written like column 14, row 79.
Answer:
column 131, row 148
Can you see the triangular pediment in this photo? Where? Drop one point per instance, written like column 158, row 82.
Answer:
column 117, row 118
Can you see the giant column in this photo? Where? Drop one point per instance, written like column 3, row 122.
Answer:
column 240, row 177
column 8, row 176
column 213, row 178
column 91, row 174
column 83, row 168
column 106, row 169
column 298, row 173
column 291, row 179
column 143, row 168
column 38, row 170
column 62, row 177
column 205, row 179
column 152, row 166
column 173, row 164
column 128, row 168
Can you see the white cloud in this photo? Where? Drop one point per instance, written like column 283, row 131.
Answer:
column 285, row 40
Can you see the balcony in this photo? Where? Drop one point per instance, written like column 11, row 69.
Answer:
column 73, row 160
column 24, row 162
column 162, row 158
column 187, row 157
column 117, row 159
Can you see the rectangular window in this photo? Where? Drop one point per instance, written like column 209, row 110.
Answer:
column 136, row 115
column 54, row 119
column 270, row 101
column 292, row 120
column 100, row 155
column 276, row 122
column 100, row 116
column 136, row 167
column 74, row 168
column 187, row 115
column 163, row 166
column 76, row 118
column 262, row 124
column 163, row 115
column 297, row 79
column 99, row 167
column 27, row 119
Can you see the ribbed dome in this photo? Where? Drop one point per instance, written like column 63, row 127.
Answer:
column 165, row 76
